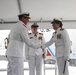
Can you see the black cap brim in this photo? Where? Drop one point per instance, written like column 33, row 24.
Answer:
column 56, row 21
column 27, row 17
column 33, row 26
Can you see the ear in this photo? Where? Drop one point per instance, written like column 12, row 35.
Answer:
column 22, row 18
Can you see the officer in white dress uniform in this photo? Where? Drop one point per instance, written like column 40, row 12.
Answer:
column 18, row 37
column 33, row 55
column 62, row 45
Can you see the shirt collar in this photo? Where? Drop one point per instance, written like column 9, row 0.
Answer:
column 35, row 34
column 23, row 24
column 57, row 30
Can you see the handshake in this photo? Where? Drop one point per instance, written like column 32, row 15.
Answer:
column 38, row 45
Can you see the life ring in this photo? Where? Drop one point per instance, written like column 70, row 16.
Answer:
column 6, row 42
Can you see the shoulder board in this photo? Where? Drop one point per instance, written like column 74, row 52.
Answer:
column 54, row 32
column 41, row 33
column 62, row 29
column 29, row 33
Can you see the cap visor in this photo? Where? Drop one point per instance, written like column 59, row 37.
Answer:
column 27, row 17
column 34, row 26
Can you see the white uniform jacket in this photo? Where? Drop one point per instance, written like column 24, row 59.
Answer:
column 19, row 36
column 37, row 39
column 62, row 42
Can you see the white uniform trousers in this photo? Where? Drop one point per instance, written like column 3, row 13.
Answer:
column 35, row 65
column 60, row 63
column 15, row 66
